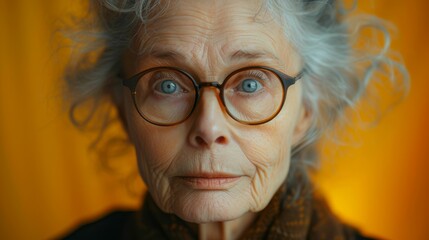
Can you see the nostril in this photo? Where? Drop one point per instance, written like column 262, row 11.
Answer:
column 221, row 140
column 200, row 140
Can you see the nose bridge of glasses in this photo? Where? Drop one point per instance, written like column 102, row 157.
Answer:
column 216, row 85
column 209, row 84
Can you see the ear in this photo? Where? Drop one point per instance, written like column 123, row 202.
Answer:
column 302, row 124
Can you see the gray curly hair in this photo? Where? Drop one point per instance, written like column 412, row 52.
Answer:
column 340, row 64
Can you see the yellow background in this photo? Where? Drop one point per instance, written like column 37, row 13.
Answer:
column 50, row 181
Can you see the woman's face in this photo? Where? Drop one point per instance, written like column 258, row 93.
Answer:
column 211, row 167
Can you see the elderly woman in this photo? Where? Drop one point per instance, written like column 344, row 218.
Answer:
column 224, row 102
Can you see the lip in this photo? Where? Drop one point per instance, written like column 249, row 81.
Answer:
column 210, row 181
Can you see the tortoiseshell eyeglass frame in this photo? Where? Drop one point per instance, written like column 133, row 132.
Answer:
column 286, row 81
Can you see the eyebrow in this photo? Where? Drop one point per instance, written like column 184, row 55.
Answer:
column 241, row 54
column 252, row 55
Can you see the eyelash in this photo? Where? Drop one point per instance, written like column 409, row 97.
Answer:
column 258, row 75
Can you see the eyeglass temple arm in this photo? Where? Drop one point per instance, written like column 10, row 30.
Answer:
column 132, row 82
column 300, row 74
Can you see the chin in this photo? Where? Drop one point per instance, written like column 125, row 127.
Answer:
column 210, row 206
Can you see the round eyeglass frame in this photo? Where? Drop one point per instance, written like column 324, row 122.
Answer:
column 286, row 81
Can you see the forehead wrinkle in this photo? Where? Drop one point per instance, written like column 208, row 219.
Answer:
column 203, row 20
column 249, row 55
column 205, row 39
column 240, row 54
column 190, row 27
column 252, row 48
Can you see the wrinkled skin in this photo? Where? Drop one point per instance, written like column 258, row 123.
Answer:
column 210, row 39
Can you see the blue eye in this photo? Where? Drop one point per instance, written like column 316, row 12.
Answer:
column 250, row 86
column 168, row 86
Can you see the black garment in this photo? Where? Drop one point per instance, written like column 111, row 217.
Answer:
column 111, row 226
column 115, row 225
column 306, row 217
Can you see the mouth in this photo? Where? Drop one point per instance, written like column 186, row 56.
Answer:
column 210, row 181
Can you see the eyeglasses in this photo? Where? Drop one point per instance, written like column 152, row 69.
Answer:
column 167, row 96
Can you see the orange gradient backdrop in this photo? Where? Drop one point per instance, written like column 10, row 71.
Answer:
column 50, row 181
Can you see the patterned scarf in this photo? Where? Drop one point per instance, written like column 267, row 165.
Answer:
column 285, row 217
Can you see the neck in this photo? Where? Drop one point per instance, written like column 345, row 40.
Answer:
column 228, row 230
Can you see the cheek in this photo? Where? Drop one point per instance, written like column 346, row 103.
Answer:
column 156, row 150
column 268, row 148
column 269, row 154
column 155, row 146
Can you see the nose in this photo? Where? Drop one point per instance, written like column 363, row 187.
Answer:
column 210, row 125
